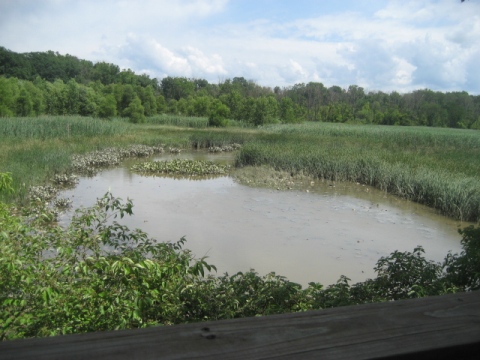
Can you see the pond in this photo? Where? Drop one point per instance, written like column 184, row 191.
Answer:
column 312, row 234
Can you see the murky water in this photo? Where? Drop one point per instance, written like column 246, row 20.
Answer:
column 306, row 236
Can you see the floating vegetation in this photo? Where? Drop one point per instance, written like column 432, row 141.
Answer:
column 91, row 162
column 268, row 177
column 174, row 150
column 42, row 193
column 183, row 167
column 87, row 164
column 63, row 203
column 225, row 148
column 65, row 180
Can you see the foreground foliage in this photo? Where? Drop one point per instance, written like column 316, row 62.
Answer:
column 99, row 275
column 94, row 275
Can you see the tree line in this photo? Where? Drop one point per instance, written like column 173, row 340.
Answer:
column 37, row 83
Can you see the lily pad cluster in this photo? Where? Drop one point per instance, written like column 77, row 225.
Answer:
column 183, row 167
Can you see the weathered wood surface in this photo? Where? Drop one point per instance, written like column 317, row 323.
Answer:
column 437, row 327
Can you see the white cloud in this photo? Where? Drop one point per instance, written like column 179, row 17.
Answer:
column 147, row 55
column 293, row 72
column 202, row 64
column 399, row 45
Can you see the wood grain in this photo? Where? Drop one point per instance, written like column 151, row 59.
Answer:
column 436, row 327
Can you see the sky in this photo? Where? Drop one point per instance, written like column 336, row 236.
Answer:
column 389, row 45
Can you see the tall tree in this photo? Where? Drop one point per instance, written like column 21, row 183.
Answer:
column 23, row 104
column 7, row 96
column 107, row 107
column 135, row 111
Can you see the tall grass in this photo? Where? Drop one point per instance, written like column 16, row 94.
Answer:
column 220, row 137
column 178, row 120
column 194, row 122
column 50, row 127
column 436, row 167
column 35, row 148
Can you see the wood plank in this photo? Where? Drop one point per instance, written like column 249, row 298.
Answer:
column 438, row 326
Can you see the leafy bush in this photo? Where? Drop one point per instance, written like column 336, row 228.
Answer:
column 135, row 111
column 463, row 270
column 95, row 275
column 408, row 274
column 218, row 114
column 6, row 183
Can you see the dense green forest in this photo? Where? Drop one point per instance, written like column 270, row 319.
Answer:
column 39, row 83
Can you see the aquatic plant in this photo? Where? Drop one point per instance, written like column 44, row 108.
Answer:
column 65, row 180
column 43, row 193
column 181, row 167
column 174, row 150
column 91, row 162
column 62, row 203
column 224, row 148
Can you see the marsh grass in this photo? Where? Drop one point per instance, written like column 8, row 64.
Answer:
column 178, row 120
column 51, row 127
column 221, row 137
column 435, row 167
column 33, row 150
column 194, row 122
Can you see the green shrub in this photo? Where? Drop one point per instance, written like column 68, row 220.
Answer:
column 94, row 275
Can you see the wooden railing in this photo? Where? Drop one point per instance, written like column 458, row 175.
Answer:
column 442, row 327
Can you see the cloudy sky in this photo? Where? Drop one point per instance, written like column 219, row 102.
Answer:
column 377, row 44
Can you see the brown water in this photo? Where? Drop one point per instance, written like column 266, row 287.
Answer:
column 306, row 236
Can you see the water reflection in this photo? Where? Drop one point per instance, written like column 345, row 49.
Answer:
column 306, row 236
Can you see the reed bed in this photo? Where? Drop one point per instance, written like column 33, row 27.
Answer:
column 178, row 120
column 435, row 167
column 220, row 138
column 50, row 127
